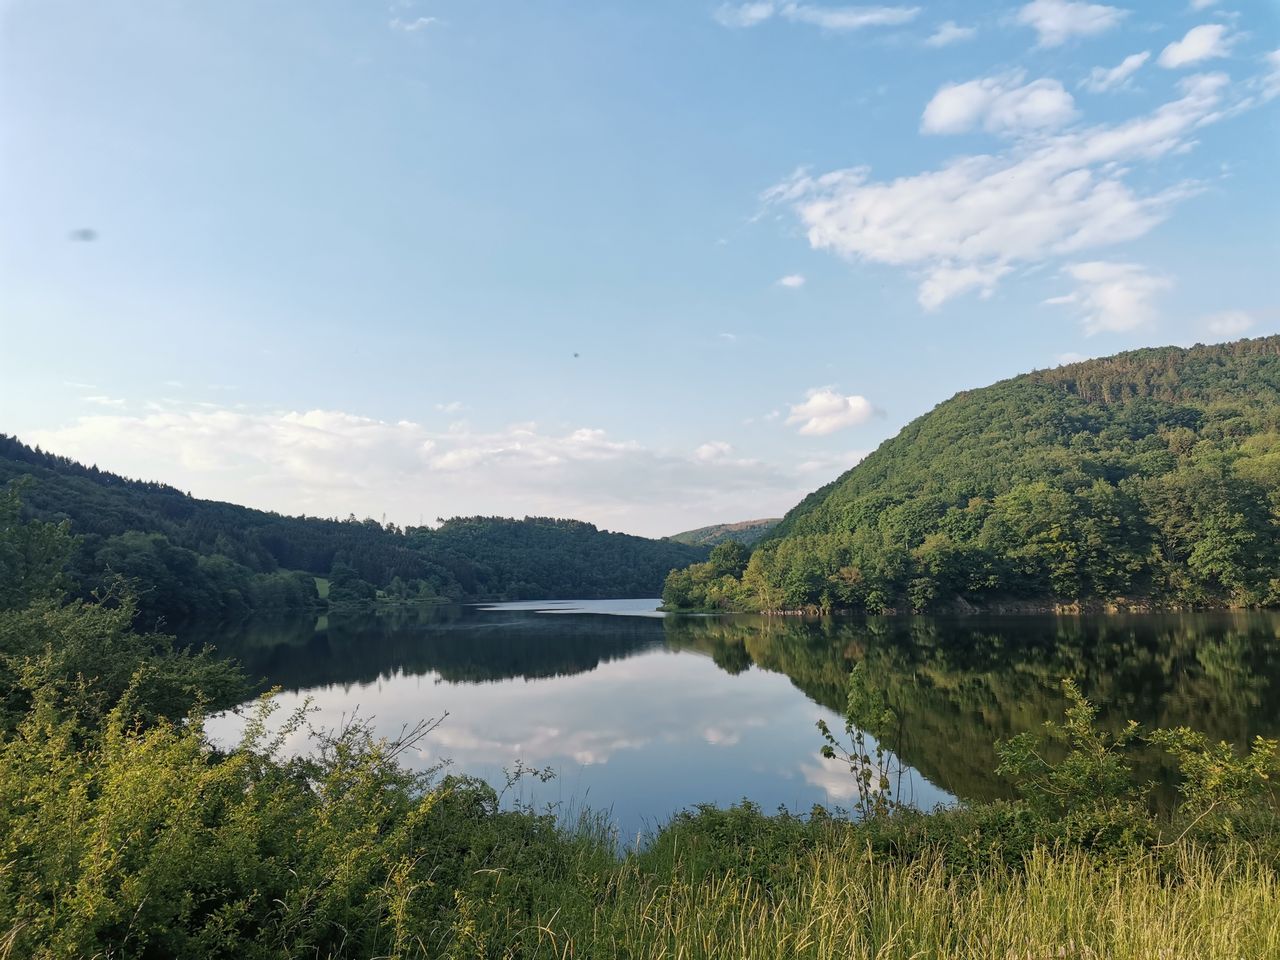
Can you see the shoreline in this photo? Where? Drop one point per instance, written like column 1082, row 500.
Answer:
column 1002, row 608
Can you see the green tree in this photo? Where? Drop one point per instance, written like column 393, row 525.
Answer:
column 729, row 559
column 33, row 555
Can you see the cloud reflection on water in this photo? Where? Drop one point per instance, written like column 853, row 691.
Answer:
column 642, row 737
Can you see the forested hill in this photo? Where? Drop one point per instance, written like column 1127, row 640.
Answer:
column 200, row 557
column 1151, row 478
column 746, row 532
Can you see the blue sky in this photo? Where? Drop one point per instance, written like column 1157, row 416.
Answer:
column 651, row 264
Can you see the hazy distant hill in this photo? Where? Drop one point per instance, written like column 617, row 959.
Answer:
column 207, row 558
column 746, row 532
column 1147, row 478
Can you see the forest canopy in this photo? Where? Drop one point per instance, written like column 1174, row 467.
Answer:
column 1147, row 479
column 186, row 557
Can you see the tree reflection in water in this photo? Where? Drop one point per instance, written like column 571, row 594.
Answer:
column 958, row 685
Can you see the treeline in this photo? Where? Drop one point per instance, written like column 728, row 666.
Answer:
column 539, row 558
column 189, row 557
column 1147, row 479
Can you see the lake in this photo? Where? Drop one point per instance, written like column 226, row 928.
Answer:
column 641, row 714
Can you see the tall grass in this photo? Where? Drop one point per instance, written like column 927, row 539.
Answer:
column 841, row 902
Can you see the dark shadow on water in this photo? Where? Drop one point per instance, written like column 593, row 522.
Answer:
column 461, row 644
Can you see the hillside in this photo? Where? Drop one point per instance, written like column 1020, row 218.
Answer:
column 1151, row 478
column 201, row 557
column 746, row 532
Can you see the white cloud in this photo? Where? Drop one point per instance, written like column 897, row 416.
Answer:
column 453, row 406
column 104, row 401
column 848, row 18
column 1113, row 297
column 834, row 779
column 945, row 282
column 1057, row 21
column 1229, row 323
column 412, row 26
column 792, row 280
column 719, row 737
column 331, row 463
column 1202, row 4
column 1102, row 79
column 1269, row 82
column 1003, row 105
column 965, row 225
column 830, row 465
column 713, row 450
column 743, row 15
column 949, row 33
column 825, row 411
column 1206, row 42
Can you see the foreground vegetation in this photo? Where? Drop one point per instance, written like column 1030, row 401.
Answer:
column 125, row 833
column 1148, row 479
column 192, row 558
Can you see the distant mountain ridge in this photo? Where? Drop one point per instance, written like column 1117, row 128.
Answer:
column 201, row 557
column 746, row 532
column 1147, row 479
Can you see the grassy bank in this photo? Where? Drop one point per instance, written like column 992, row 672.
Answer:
column 839, row 901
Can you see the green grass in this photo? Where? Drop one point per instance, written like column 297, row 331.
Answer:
column 837, row 901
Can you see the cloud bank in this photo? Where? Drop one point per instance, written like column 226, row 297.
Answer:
column 331, row 463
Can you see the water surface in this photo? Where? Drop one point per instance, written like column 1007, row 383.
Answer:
column 642, row 715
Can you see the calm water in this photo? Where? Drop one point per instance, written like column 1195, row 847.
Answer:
column 642, row 714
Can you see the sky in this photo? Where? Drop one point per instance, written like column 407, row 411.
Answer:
column 653, row 264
